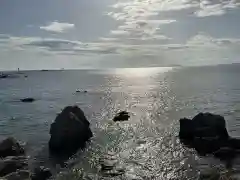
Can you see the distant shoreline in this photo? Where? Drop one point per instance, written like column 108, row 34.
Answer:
column 102, row 69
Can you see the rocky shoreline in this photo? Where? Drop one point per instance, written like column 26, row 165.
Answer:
column 69, row 132
column 206, row 133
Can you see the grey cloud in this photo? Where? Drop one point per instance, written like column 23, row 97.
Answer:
column 53, row 44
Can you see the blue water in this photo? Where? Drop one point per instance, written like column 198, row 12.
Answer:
column 155, row 97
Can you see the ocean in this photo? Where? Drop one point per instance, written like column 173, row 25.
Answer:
column 156, row 97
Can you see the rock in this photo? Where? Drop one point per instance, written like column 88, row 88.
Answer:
column 210, row 125
column 110, row 166
column 10, row 147
column 12, row 164
column 69, row 131
column 121, row 116
column 41, row 173
column 27, row 100
column 211, row 174
column 204, row 125
column 3, row 76
column 19, row 175
column 207, row 134
column 186, row 131
column 78, row 91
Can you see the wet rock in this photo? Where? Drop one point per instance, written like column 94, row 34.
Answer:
column 121, row 116
column 10, row 147
column 110, row 166
column 19, row 175
column 207, row 134
column 203, row 125
column 27, row 100
column 12, row 164
column 209, row 175
column 78, row 91
column 4, row 76
column 41, row 173
column 69, row 132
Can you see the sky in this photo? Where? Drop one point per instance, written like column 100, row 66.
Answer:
column 80, row 34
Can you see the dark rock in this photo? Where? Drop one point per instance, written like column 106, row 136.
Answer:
column 69, row 132
column 4, row 76
column 110, row 166
column 204, row 125
column 78, row 91
column 207, row 134
column 121, row 116
column 28, row 100
column 41, row 173
column 10, row 147
column 210, row 125
column 11, row 164
column 19, row 175
column 186, row 130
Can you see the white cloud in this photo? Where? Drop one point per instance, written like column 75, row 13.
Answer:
column 210, row 10
column 119, row 32
column 58, row 27
column 145, row 9
column 199, row 48
column 217, row 9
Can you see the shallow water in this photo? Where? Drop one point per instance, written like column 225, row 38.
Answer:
column 146, row 145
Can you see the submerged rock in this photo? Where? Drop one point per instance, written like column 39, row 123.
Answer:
column 4, row 76
column 19, row 175
column 78, row 91
column 110, row 166
column 27, row 99
column 121, row 116
column 41, row 173
column 10, row 147
column 12, row 164
column 207, row 134
column 69, row 131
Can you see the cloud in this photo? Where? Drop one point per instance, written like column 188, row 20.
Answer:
column 210, row 10
column 130, row 48
column 57, row 27
column 146, row 9
column 139, row 19
column 218, row 8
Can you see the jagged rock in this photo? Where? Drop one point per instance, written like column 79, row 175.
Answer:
column 207, row 134
column 19, row 175
column 27, row 99
column 204, row 125
column 41, row 173
column 121, row 116
column 10, row 147
column 11, row 164
column 69, row 132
